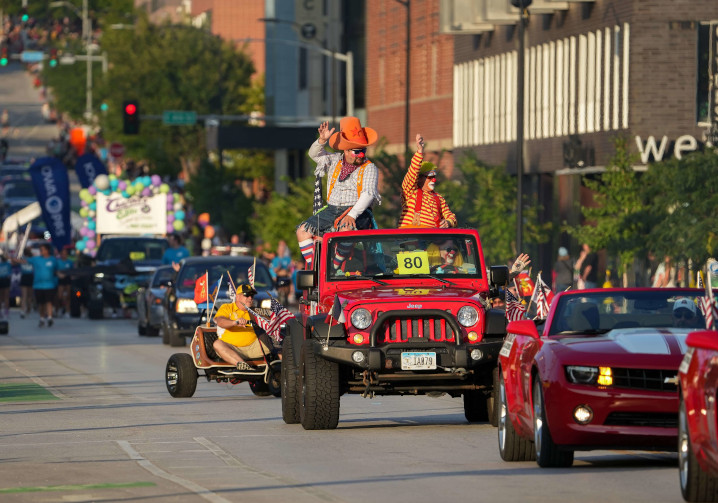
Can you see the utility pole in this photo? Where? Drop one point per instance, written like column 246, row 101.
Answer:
column 87, row 34
column 520, row 63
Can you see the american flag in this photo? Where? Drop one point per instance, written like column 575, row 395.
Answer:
column 280, row 315
column 317, row 202
column 542, row 298
column 515, row 310
column 707, row 303
column 250, row 275
column 231, row 290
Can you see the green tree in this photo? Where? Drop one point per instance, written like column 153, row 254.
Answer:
column 681, row 206
column 484, row 197
column 618, row 223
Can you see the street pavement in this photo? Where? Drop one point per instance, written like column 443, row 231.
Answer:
column 86, row 416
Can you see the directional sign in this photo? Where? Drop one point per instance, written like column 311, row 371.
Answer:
column 179, row 118
column 32, row 56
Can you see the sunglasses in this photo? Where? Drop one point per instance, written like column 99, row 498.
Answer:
column 683, row 314
column 450, row 249
column 357, row 151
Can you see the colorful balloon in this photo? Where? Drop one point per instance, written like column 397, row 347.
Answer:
column 170, row 228
column 156, row 180
column 203, row 219
column 90, row 244
column 178, row 225
column 122, row 185
column 209, row 232
column 164, row 188
column 92, row 190
column 179, row 215
column 80, row 245
column 102, row 182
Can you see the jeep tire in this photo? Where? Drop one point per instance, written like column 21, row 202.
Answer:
column 290, row 392
column 319, row 381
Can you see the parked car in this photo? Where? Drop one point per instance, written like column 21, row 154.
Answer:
column 181, row 313
column 150, row 299
column 140, row 254
column 698, row 418
column 600, row 373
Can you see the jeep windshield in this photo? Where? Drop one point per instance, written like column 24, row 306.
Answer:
column 442, row 256
column 116, row 249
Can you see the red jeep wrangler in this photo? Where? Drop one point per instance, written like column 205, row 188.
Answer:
column 393, row 312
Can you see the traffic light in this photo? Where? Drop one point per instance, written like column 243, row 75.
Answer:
column 24, row 17
column 131, row 117
column 53, row 58
column 3, row 56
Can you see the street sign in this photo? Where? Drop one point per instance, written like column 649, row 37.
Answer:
column 117, row 150
column 32, row 56
column 179, row 118
column 67, row 60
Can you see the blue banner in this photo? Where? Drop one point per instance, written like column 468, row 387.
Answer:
column 52, row 187
column 88, row 166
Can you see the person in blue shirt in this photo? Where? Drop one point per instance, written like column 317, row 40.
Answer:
column 64, row 263
column 175, row 252
column 26, row 278
column 45, row 268
column 5, row 275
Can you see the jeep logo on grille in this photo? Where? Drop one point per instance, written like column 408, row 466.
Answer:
column 413, row 306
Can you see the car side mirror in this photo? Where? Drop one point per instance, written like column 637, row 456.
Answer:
column 523, row 327
column 703, row 339
column 305, row 279
column 499, row 275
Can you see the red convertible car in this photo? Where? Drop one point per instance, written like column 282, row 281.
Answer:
column 600, row 373
column 697, row 418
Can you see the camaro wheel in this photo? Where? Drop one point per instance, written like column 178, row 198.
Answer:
column 548, row 454
column 181, row 375
column 512, row 447
column 290, row 393
column 696, row 484
column 319, row 380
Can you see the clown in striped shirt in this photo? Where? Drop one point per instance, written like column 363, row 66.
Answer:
column 420, row 205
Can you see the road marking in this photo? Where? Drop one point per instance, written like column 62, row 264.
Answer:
column 153, row 469
column 78, row 487
column 24, row 392
column 294, row 484
column 33, row 378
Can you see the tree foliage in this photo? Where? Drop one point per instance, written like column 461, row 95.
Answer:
column 618, row 223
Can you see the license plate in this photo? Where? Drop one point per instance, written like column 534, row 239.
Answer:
column 418, row 361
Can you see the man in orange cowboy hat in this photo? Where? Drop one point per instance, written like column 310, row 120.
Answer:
column 352, row 184
column 420, row 205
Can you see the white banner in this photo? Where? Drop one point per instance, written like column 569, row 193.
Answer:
column 133, row 215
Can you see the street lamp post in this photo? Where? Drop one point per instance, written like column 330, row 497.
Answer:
column 87, row 37
column 520, row 63
column 407, row 78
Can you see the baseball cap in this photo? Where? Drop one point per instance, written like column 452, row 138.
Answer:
column 562, row 252
column 685, row 303
column 246, row 289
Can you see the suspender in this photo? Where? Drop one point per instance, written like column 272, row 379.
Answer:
column 417, row 206
column 337, row 172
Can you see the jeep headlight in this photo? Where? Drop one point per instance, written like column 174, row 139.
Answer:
column 468, row 316
column 186, row 306
column 361, row 318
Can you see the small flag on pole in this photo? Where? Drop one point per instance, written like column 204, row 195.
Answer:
column 250, row 272
column 515, row 310
column 200, row 289
column 542, row 298
column 280, row 315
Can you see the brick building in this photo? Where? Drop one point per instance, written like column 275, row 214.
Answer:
column 430, row 80
column 593, row 70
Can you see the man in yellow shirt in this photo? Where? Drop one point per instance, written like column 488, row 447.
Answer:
column 237, row 341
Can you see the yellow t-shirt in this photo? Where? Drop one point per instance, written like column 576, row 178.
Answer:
column 236, row 336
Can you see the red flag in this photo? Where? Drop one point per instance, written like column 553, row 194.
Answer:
column 200, row 289
column 524, row 285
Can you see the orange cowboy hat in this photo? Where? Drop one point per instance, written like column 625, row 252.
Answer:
column 352, row 135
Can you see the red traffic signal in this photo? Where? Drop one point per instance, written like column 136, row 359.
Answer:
column 131, row 117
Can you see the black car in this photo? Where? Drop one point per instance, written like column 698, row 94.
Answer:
column 136, row 258
column 181, row 313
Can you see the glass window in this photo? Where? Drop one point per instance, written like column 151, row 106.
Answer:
column 403, row 256
column 703, row 80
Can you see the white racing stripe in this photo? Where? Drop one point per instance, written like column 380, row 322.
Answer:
column 187, row 484
column 648, row 341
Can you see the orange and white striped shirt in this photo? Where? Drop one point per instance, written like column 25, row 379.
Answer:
column 433, row 205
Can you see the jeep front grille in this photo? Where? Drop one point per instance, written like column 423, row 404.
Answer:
column 402, row 329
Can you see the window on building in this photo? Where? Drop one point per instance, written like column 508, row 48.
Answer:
column 703, row 79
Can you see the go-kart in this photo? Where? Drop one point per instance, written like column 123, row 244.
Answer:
column 183, row 369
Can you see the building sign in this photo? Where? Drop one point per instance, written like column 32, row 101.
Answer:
column 652, row 151
column 135, row 215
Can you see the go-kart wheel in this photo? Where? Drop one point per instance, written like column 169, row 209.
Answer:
column 512, row 447
column 259, row 388
column 181, row 375
column 548, row 454
column 696, row 484
column 275, row 380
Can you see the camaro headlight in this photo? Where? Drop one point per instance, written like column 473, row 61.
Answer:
column 186, row 306
column 589, row 375
column 468, row 316
column 361, row 318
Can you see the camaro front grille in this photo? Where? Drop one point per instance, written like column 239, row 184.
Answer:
column 402, row 329
column 654, row 419
column 654, row 380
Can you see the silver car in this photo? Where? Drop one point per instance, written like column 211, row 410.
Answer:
column 150, row 310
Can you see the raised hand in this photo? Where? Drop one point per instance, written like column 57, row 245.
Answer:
column 324, row 132
column 419, row 143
